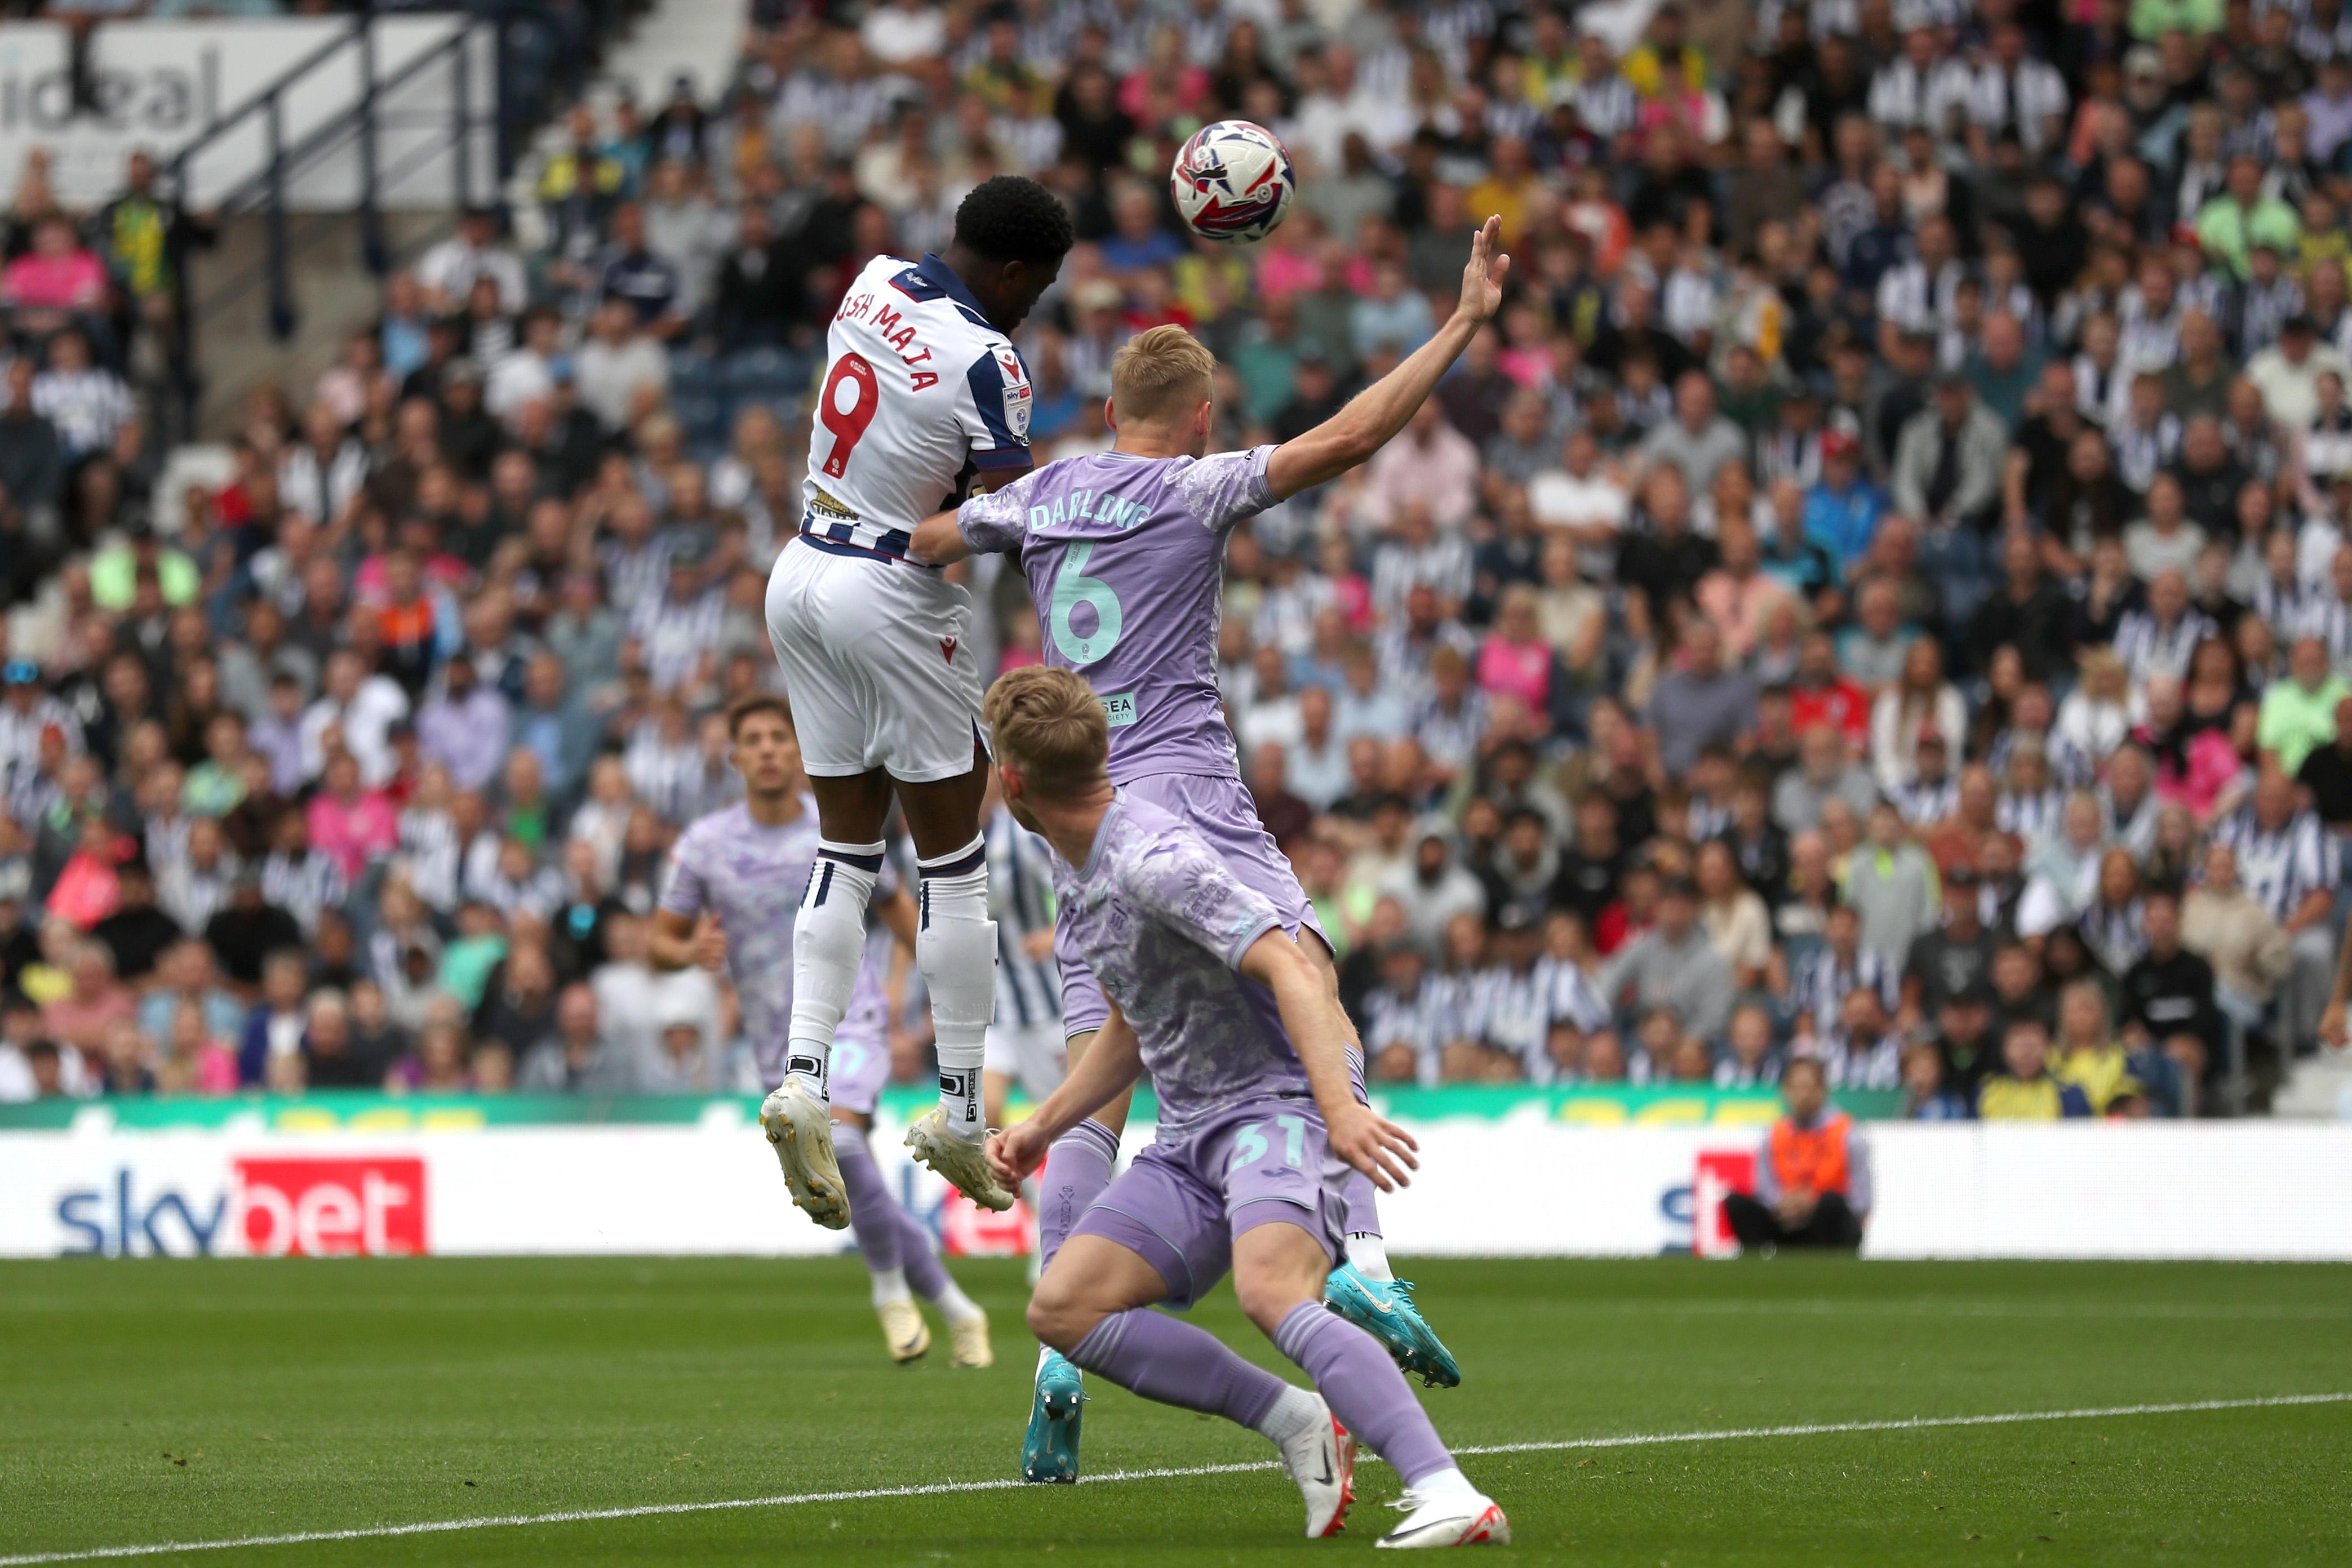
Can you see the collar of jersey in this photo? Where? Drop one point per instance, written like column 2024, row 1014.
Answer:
column 1102, row 834
column 940, row 275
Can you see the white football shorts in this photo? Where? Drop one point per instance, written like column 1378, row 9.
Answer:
column 877, row 662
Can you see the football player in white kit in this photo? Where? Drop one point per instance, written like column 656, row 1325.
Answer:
column 1026, row 1046
column 924, row 401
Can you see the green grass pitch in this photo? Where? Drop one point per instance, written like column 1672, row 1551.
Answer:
column 159, row 1402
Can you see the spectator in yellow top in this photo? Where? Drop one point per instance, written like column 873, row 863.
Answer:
column 1510, row 185
column 1666, row 37
column 2087, row 1055
column 2026, row 1092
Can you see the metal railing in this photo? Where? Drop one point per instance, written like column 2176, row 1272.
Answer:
column 541, row 52
column 286, row 158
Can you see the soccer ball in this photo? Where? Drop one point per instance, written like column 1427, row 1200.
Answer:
column 1233, row 183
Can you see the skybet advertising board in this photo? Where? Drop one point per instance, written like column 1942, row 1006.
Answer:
column 1529, row 1181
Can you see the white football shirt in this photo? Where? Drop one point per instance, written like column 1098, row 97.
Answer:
column 920, row 394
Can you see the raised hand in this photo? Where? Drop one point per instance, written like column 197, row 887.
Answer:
column 1482, row 280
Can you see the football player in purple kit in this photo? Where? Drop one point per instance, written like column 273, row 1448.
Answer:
column 1124, row 552
column 734, row 894
column 1260, row 1124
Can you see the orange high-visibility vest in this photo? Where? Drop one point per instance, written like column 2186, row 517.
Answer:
column 1812, row 1158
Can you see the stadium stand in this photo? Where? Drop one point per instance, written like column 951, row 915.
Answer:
column 1882, row 584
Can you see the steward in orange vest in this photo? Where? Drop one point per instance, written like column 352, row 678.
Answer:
column 1812, row 1178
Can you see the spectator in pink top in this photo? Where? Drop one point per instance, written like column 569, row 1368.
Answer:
column 1515, row 661
column 97, row 1002
column 1433, row 462
column 348, row 823
column 56, row 277
column 1738, row 596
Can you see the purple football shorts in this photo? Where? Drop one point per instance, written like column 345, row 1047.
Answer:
column 1182, row 1207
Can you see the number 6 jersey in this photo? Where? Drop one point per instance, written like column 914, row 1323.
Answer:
column 919, row 394
column 1125, row 560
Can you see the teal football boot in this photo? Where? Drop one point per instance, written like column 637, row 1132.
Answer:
column 1050, row 1452
column 1384, row 1310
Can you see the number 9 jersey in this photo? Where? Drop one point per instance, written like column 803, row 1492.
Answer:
column 920, row 394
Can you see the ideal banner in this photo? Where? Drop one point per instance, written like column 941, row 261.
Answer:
column 1527, row 1184
column 161, row 85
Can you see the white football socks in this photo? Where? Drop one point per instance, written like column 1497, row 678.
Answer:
column 1369, row 1255
column 828, row 943
column 955, row 1306
column 891, row 1285
column 955, row 948
column 1295, row 1411
column 1447, row 1482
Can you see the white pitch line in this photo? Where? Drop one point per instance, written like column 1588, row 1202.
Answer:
column 939, row 1489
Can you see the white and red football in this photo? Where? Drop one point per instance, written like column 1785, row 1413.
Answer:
column 1232, row 182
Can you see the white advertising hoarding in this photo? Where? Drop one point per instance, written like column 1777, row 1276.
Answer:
column 161, row 85
column 1525, row 1185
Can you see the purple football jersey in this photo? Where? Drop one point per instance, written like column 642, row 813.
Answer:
column 751, row 877
column 1125, row 558
column 1163, row 923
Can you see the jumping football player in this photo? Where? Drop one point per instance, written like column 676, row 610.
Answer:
column 1212, row 994
column 923, row 400
column 1124, row 552
column 731, row 904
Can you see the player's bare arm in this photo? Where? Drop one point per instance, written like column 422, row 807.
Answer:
column 1112, row 1062
column 1374, row 416
column 682, row 943
column 1318, row 1032
column 938, row 540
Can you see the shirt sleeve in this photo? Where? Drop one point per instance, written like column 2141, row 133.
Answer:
column 1223, row 489
column 685, row 893
column 994, row 410
column 997, row 522
column 1767, row 1180
column 1184, row 886
column 1857, row 1167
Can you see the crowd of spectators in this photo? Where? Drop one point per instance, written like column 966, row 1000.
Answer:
column 1879, row 595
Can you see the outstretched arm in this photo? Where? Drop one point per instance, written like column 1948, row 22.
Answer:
column 1318, row 1032
column 1374, row 415
column 939, row 541
column 1109, row 1069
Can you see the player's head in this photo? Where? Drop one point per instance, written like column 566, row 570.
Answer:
column 1052, row 741
column 767, row 750
column 1010, row 235
column 1162, row 381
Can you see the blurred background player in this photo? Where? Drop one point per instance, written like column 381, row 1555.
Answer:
column 1026, row 1046
column 731, row 904
column 1258, row 1122
column 923, row 397
column 1124, row 553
